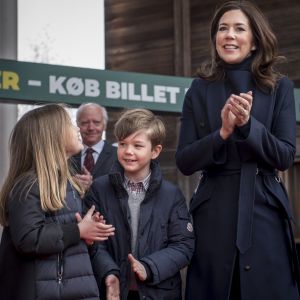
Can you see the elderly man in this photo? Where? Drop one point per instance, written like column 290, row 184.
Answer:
column 97, row 156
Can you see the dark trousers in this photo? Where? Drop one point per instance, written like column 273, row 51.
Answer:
column 235, row 289
column 133, row 295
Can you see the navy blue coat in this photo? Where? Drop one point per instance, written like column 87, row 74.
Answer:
column 103, row 164
column 269, row 269
column 165, row 240
column 41, row 254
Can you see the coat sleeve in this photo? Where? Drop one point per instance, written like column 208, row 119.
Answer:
column 274, row 147
column 198, row 148
column 31, row 233
column 166, row 262
column 102, row 262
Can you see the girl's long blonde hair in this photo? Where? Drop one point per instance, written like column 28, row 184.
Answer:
column 38, row 155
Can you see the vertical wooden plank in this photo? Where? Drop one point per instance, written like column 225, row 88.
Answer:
column 186, row 25
column 182, row 38
column 178, row 37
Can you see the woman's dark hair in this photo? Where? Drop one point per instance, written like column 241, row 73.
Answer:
column 265, row 55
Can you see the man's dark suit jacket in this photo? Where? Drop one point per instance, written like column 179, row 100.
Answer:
column 103, row 164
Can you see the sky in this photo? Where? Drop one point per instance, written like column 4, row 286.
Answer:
column 61, row 32
column 64, row 32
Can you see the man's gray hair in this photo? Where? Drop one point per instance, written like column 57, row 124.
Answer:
column 84, row 105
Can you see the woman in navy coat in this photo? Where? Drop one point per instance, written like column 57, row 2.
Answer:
column 238, row 129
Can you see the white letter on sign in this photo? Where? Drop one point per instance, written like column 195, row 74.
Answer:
column 55, row 85
column 113, row 90
column 92, row 88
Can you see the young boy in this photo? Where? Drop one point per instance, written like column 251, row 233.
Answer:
column 154, row 235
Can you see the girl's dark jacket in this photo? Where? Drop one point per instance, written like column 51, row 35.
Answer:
column 165, row 240
column 41, row 254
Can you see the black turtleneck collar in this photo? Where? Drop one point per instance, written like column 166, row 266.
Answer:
column 245, row 65
column 239, row 77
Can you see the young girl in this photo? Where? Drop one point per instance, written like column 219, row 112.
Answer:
column 43, row 254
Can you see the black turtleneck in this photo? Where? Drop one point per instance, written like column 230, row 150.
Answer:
column 238, row 77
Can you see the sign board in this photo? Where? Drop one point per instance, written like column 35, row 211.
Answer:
column 35, row 82
column 39, row 83
column 297, row 102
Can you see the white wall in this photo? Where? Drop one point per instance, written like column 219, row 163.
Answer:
column 8, row 50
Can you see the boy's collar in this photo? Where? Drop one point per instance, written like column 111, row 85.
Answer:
column 145, row 181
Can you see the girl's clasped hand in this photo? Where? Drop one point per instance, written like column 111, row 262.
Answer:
column 93, row 228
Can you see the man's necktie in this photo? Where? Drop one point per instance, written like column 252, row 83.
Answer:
column 89, row 160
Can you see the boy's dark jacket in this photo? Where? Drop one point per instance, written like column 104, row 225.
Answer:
column 165, row 240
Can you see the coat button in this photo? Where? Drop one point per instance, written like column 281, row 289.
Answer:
column 247, row 268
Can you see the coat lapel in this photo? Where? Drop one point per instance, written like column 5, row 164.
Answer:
column 145, row 214
column 151, row 197
column 263, row 107
column 216, row 98
column 105, row 153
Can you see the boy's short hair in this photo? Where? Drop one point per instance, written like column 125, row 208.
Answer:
column 134, row 120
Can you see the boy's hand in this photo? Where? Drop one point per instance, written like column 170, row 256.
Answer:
column 137, row 268
column 112, row 287
column 98, row 218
